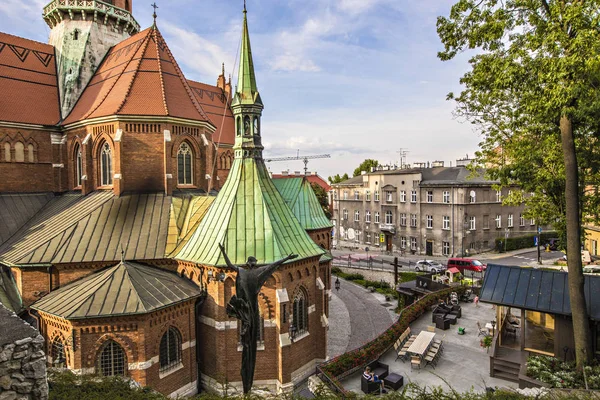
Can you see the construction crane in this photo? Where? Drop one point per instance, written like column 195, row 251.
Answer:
column 298, row 157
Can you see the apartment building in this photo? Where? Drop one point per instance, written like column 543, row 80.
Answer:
column 433, row 210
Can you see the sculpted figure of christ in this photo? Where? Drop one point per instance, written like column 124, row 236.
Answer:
column 244, row 306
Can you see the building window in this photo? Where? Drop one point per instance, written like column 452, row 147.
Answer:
column 430, row 196
column 356, row 216
column 170, row 350
column 368, row 195
column 413, row 243
column 376, row 217
column 532, row 222
column 112, row 360
column 413, row 196
column 30, row 155
column 510, row 220
column 345, row 214
column 300, row 312
column 58, row 353
column 185, row 164
column 472, row 196
column 78, row 165
column 246, row 126
column 377, row 195
column 403, row 242
column 335, row 196
column 430, row 222
column 472, row 225
column 356, row 195
column 19, row 152
column 402, row 219
column 446, row 197
column 498, row 196
column 239, row 126
column 498, row 221
column 413, row 220
column 368, row 216
column 388, row 218
column 256, row 127
column 388, row 196
column 486, row 222
column 7, row 152
column 446, row 248
column 345, row 195
column 521, row 220
column 106, row 167
column 446, row 222
column 368, row 237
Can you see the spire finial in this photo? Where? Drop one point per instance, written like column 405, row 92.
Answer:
column 153, row 5
column 245, row 7
column 223, row 69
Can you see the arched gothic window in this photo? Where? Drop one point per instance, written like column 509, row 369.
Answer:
column 112, row 360
column 58, row 353
column 78, row 165
column 256, row 128
column 300, row 312
column 30, row 155
column 239, row 126
column 7, row 152
column 19, row 152
column 106, row 168
column 170, row 350
column 185, row 164
column 246, row 125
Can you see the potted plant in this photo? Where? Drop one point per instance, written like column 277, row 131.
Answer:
column 486, row 342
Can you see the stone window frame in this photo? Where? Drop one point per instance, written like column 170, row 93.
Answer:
column 446, row 248
column 299, row 315
column 367, row 216
column 429, row 221
column 184, row 150
column 170, row 350
column 105, row 153
column 389, row 217
column 377, row 217
column 446, row 222
column 446, row 197
column 117, row 355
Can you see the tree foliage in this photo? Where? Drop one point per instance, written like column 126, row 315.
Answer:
column 533, row 92
column 323, row 198
column 365, row 166
column 337, row 178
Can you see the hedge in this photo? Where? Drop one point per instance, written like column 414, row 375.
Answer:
column 522, row 242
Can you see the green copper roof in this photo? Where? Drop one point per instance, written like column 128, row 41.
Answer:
column 247, row 91
column 301, row 198
column 250, row 218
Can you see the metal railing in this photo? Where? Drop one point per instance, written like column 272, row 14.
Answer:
column 91, row 6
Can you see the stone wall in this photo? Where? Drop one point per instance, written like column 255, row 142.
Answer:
column 22, row 360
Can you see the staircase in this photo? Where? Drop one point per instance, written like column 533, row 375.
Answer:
column 506, row 364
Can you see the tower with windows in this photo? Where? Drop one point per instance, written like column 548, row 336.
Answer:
column 82, row 32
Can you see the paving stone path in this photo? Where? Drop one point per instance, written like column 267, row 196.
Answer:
column 355, row 317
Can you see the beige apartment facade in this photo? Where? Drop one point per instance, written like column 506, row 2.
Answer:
column 438, row 211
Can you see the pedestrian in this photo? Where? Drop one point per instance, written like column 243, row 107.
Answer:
column 476, row 301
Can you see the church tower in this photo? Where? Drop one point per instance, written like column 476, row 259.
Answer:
column 82, row 32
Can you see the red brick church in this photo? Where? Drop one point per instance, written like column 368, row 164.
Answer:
column 119, row 178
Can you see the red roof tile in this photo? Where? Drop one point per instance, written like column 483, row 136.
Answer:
column 28, row 81
column 214, row 102
column 138, row 76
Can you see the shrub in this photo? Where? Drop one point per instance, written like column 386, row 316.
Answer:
column 562, row 374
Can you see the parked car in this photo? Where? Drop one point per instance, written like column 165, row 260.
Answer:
column 468, row 264
column 429, row 266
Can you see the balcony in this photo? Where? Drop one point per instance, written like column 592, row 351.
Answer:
column 54, row 12
column 391, row 228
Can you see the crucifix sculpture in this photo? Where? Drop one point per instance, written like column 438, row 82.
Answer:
column 244, row 306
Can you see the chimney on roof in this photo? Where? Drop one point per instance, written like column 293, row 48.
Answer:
column 285, row 172
column 221, row 78
column 435, row 164
column 363, row 172
column 297, row 173
column 314, row 173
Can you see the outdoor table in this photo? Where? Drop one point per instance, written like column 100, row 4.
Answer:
column 489, row 327
column 421, row 343
column 394, row 381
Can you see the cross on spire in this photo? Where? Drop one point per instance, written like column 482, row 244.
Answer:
column 244, row 5
column 153, row 5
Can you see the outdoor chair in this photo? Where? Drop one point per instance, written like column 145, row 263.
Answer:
column 369, row 386
column 415, row 362
column 430, row 328
column 482, row 331
column 380, row 369
column 442, row 322
column 402, row 355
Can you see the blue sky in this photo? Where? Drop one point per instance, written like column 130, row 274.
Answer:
column 354, row 78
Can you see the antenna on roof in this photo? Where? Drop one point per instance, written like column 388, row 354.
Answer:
column 153, row 5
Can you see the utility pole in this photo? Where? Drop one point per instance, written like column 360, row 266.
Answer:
column 539, row 229
column 402, row 152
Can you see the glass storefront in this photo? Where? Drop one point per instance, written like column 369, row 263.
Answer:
column 539, row 332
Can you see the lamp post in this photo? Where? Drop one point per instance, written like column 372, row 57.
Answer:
column 493, row 322
column 337, row 284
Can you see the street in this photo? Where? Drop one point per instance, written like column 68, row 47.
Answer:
column 407, row 261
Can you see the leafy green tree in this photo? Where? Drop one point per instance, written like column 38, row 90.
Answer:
column 536, row 73
column 322, row 197
column 337, row 178
column 366, row 166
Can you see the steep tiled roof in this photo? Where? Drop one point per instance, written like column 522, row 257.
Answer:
column 28, row 82
column 138, row 76
column 300, row 197
column 312, row 178
column 214, row 103
column 125, row 289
